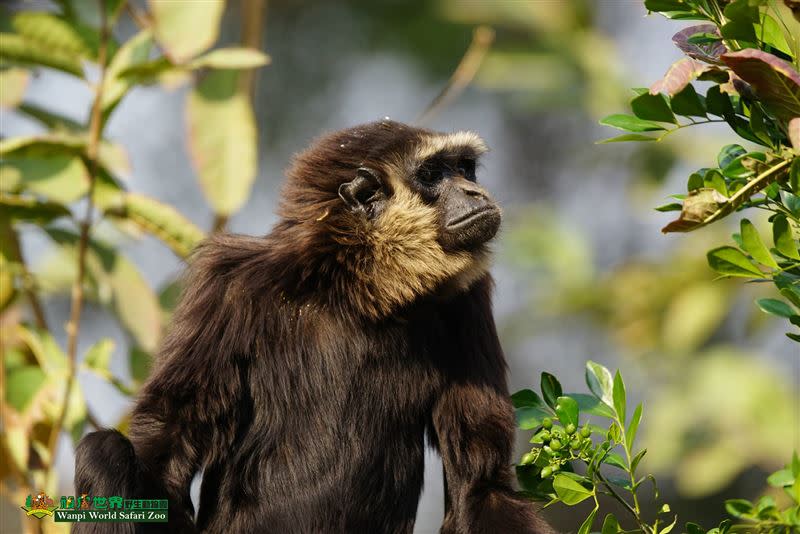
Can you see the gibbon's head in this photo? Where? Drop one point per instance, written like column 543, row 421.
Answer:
column 394, row 211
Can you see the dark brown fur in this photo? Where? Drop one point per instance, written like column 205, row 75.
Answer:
column 304, row 399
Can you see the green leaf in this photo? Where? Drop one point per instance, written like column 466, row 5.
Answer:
column 775, row 307
column 781, row 479
column 121, row 286
column 54, row 32
column 569, row 491
column 714, row 180
column 14, row 82
column 619, row 397
column 652, row 108
column 718, row 103
column 742, row 10
column 783, row 238
column 695, row 181
column 794, row 175
column 688, row 103
column 754, row 246
column 744, row 166
column 694, row 528
column 674, row 206
column 52, row 120
column 759, row 127
column 526, row 398
column 586, row 526
column 529, row 417
column 49, row 166
column 135, row 51
column 616, row 460
column 630, row 434
column 667, row 529
column 98, row 357
column 666, row 5
column 29, row 209
column 16, row 49
column 731, row 261
column 792, row 294
column 610, row 525
column 15, row 439
column 739, row 507
column 140, row 363
column 600, row 382
column 636, row 459
column 738, row 30
column 160, row 220
column 551, row 389
column 23, row 384
column 222, row 140
column 592, row 405
column 770, row 33
column 567, row 411
column 231, row 58
column 631, row 124
column 774, row 80
column 185, row 29
column 792, row 203
column 626, row 138
column 728, row 154
column 48, row 354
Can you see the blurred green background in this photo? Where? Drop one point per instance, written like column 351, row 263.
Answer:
column 582, row 269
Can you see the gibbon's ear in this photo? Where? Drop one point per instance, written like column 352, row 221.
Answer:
column 364, row 189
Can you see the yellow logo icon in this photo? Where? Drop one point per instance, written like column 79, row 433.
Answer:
column 39, row 506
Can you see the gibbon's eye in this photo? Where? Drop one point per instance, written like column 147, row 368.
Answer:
column 466, row 168
column 430, row 174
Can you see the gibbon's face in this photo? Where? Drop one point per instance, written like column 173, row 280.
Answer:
column 440, row 170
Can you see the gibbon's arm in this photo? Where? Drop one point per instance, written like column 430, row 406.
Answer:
column 188, row 411
column 474, row 425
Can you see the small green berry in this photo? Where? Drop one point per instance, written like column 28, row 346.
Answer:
column 527, row 458
column 555, row 444
column 546, row 471
column 547, row 423
column 548, row 450
column 546, row 436
column 575, row 444
column 585, row 432
column 570, row 429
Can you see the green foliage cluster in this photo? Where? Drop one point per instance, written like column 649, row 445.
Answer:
column 68, row 185
column 749, row 54
column 574, row 459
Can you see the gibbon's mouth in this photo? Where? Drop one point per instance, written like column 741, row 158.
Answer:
column 469, row 218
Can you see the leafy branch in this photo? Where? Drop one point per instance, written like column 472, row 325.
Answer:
column 76, row 306
column 566, row 465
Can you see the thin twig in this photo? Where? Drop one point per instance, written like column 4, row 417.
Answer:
column 139, row 17
column 73, row 326
column 253, row 16
column 482, row 39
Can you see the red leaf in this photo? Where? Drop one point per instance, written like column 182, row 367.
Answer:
column 705, row 52
column 679, row 75
column 773, row 80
